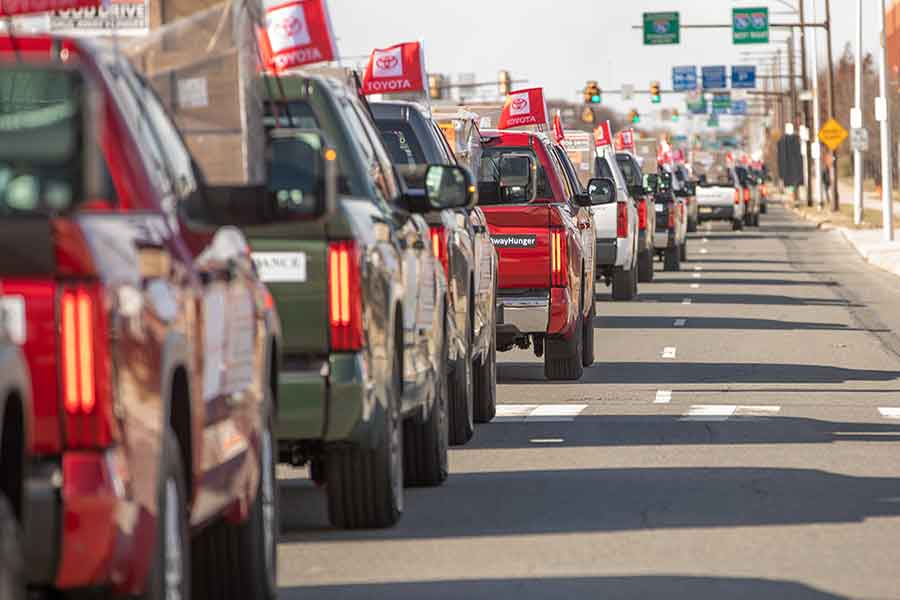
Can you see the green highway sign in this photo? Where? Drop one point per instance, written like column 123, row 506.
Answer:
column 721, row 101
column 713, row 120
column 662, row 28
column 748, row 25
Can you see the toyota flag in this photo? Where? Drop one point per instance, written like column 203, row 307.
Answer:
column 625, row 140
column 603, row 135
column 400, row 68
column 524, row 107
column 558, row 134
column 297, row 33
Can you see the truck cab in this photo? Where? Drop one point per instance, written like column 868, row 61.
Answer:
column 617, row 231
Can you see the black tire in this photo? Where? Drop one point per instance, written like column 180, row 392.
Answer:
column 672, row 259
column 12, row 564
column 425, row 442
column 365, row 487
column 645, row 266
column 173, row 547
column 587, row 337
column 756, row 220
column 257, row 537
column 486, row 383
column 682, row 251
column 623, row 284
column 461, row 393
column 737, row 225
column 763, row 208
column 692, row 226
column 563, row 357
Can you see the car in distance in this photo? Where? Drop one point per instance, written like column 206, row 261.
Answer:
column 720, row 196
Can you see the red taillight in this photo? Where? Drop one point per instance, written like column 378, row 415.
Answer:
column 681, row 210
column 621, row 220
column 559, row 267
column 763, row 191
column 671, row 210
column 439, row 246
column 345, row 304
column 85, row 367
column 737, row 196
column 642, row 214
column 746, row 195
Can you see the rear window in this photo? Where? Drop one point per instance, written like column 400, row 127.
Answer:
column 401, row 142
column 489, row 177
column 632, row 174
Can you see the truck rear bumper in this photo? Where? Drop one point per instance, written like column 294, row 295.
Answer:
column 522, row 315
column 606, row 253
column 716, row 213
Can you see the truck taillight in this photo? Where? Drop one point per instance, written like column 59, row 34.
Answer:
column 439, row 246
column 85, row 367
column 681, row 210
column 737, row 196
column 345, row 303
column 746, row 195
column 559, row 269
column 763, row 191
column 621, row 220
column 642, row 214
column 671, row 210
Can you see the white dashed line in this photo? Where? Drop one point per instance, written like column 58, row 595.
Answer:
column 698, row 268
column 663, row 397
column 705, row 240
column 537, row 413
column 704, row 251
column 679, row 323
column 695, row 286
column 889, row 412
column 722, row 412
column 696, row 275
column 687, row 301
column 546, row 440
column 669, row 352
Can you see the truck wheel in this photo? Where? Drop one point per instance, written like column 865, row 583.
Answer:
column 692, row 225
column 425, row 443
column 737, row 225
column 486, row 383
column 763, row 208
column 563, row 357
column 365, row 487
column 170, row 573
column 623, row 284
column 683, row 251
column 587, row 337
column 461, row 409
column 756, row 220
column 645, row 266
column 672, row 259
column 12, row 579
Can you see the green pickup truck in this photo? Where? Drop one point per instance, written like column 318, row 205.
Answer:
column 362, row 392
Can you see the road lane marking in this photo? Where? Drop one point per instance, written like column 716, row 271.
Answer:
column 698, row 268
column 705, row 240
column 723, row 412
column 546, row 440
column 757, row 411
column 513, row 412
column 537, row 413
column 695, row 286
column 679, row 323
column 669, row 352
column 704, row 251
column 696, row 275
column 663, row 397
column 889, row 412
column 686, row 301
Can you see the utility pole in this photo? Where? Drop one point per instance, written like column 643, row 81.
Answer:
column 882, row 109
column 856, row 121
column 814, row 134
column 835, row 194
column 806, row 116
column 793, row 83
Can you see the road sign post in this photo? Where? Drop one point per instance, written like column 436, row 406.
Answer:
column 750, row 25
column 662, row 28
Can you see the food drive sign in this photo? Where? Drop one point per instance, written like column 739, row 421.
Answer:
column 523, row 107
column 400, row 68
column 297, row 33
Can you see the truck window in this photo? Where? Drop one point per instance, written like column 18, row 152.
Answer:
column 632, row 174
column 489, row 173
column 401, row 142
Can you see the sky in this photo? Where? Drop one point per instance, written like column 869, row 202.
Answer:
column 560, row 45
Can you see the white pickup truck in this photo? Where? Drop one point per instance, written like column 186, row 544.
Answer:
column 719, row 197
column 616, row 226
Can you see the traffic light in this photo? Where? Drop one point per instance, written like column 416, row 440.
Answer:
column 634, row 116
column 504, row 83
column 655, row 96
column 592, row 93
column 435, row 87
column 675, row 115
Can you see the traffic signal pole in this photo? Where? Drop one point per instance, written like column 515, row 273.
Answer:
column 807, row 122
column 832, row 111
column 882, row 111
column 857, row 121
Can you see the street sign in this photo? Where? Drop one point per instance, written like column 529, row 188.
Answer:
column 721, row 102
column 739, row 107
column 662, row 28
column 627, row 91
column 696, row 104
column 743, row 77
column 713, row 120
column 684, row 78
column 715, row 78
column 750, row 25
column 859, row 139
column 832, row 134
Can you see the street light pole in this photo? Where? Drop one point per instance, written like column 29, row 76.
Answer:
column 806, row 116
column 814, row 134
column 835, row 195
column 856, row 121
column 882, row 108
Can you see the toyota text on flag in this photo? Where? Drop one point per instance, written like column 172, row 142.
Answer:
column 399, row 68
column 297, row 33
column 523, row 107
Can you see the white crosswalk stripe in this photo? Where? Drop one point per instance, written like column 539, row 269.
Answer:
column 722, row 412
column 889, row 412
column 538, row 413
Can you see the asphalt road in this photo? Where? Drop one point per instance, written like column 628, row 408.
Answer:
column 738, row 437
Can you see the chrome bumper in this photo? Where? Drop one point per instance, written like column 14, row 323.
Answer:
column 527, row 314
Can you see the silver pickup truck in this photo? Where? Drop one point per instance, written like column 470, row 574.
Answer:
column 719, row 197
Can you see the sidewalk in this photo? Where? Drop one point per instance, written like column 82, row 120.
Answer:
column 870, row 198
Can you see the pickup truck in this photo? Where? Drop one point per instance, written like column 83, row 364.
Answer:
column 148, row 443
column 461, row 241
column 540, row 231
column 669, row 241
column 750, row 191
column 631, row 169
column 687, row 188
column 363, row 389
column 616, row 227
column 720, row 197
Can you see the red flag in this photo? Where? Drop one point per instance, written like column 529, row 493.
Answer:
column 298, row 33
column 558, row 134
column 9, row 8
column 399, row 68
column 523, row 107
column 625, row 140
column 603, row 135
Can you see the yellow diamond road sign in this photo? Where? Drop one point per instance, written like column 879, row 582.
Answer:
column 832, row 134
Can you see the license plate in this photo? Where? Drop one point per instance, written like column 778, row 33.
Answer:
column 660, row 208
column 280, row 267
column 705, row 209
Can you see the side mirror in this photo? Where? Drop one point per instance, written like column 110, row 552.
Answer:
column 602, row 191
column 518, row 176
column 449, row 187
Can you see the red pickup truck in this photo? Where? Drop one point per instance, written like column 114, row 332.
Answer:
column 542, row 228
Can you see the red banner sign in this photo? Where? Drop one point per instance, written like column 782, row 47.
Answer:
column 625, row 140
column 10, row 8
column 297, row 33
column 523, row 107
column 603, row 135
column 400, row 68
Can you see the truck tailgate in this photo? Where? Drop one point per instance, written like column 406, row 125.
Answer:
column 521, row 235
column 605, row 221
column 715, row 196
